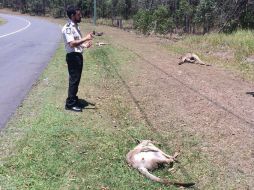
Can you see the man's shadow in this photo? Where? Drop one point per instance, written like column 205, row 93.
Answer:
column 86, row 105
column 250, row 93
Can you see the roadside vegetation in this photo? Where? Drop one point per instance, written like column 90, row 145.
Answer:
column 230, row 51
column 192, row 16
column 2, row 21
column 46, row 147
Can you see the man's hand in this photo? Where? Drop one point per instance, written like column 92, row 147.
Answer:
column 87, row 44
column 82, row 41
column 88, row 37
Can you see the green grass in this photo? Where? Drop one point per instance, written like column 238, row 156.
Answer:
column 2, row 21
column 239, row 44
column 46, row 147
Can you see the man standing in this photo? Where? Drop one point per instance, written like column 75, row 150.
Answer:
column 74, row 45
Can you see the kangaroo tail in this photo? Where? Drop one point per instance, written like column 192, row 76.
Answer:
column 146, row 173
column 179, row 184
column 150, row 176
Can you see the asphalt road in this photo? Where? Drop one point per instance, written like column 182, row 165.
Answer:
column 26, row 46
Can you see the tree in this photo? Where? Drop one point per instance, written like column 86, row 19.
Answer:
column 205, row 14
column 231, row 20
column 163, row 21
column 142, row 21
column 247, row 18
column 185, row 15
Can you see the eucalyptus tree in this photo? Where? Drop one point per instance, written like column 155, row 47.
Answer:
column 205, row 14
column 230, row 12
column 183, row 15
column 247, row 18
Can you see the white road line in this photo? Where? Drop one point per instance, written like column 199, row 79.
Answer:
column 24, row 28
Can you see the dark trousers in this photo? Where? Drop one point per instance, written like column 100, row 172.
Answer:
column 75, row 66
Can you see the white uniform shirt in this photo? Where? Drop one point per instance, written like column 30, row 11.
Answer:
column 71, row 31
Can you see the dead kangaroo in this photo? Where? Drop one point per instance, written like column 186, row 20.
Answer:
column 191, row 58
column 147, row 157
column 101, row 43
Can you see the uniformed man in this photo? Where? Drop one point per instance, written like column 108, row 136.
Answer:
column 74, row 45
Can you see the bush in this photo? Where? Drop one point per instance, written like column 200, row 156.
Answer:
column 142, row 21
column 247, row 19
column 164, row 23
column 158, row 21
column 230, row 27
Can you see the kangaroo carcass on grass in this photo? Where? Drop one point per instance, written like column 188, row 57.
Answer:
column 191, row 58
column 147, row 157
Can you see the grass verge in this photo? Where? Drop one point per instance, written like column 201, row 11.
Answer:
column 2, row 21
column 56, row 149
column 226, row 50
column 47, row 147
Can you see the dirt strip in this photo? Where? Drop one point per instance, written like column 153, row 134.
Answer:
column 210, row 101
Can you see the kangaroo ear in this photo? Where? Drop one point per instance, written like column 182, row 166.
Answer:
column 137, row 141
